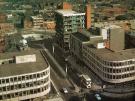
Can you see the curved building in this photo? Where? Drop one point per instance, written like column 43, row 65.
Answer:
column 112, row 63
column 113, row 67
column 23, row 75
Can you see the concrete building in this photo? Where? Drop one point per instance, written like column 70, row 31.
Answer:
column 37, row 21
column 67, row 22
column 6, row 27
column 23, row 75
column 114, row 37
column 111, row 66
column 77, row 40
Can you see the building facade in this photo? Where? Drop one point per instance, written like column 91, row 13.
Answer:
column 67, row 22
column 23, row 76
column 6, row 28
column 111, row 66
column 37, row 21
column 116, row 68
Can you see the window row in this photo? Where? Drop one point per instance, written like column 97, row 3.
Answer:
column 97, row 69
column 120, row 70
column 23, row 93
column 22, row 78
column 110, row 70
column 119, row 76
column 88, row 51
column 24, row 85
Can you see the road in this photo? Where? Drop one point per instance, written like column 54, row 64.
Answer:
column 84, row 70
column 60, row 82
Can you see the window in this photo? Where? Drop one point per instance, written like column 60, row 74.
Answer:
column 4, row 88
column 15, row 79
column 34, row 76
column 23, row 77
column 132, row 68
column 31, row 76
column 27, row 77
column 3, row 81
column 38, row 75
column 19, row 78
column 8, row 96
column 113, row 76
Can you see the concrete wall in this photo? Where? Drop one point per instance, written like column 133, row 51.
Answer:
column 117, row 39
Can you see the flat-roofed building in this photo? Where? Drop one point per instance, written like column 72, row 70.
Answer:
column 37, row 21
column 111, row 66
column 6, row 28
column 23, row 75
column 67, row 22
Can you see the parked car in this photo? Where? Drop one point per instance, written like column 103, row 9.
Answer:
column 65, row 90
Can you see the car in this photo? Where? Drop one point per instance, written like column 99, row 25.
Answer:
column 65, row 90
column 98, row 97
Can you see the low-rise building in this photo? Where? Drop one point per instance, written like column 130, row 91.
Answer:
column 23, row 75
column 37, row 21
column 112, row 65
column 6, row 27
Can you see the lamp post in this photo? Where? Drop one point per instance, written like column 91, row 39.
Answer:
column 66, row 65
column 53, row 49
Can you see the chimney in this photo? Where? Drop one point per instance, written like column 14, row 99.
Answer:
column 88, row 16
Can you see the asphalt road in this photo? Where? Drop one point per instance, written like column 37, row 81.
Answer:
column 55, row 77
column 60, row 82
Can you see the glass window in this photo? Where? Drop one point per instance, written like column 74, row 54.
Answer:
column 15, row 79
column 3, row 81
column 7, row 80
column 19, row 78
column 23, row 77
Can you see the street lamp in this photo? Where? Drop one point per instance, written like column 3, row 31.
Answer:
column 53, row 49
column 66, row 60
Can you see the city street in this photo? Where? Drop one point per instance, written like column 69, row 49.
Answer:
column 58, row 81
column 71, row 80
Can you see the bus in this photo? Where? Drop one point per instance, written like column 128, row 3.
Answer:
column 86, row 80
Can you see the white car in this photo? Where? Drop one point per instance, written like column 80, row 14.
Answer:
column 98, row 97
column 65, row 90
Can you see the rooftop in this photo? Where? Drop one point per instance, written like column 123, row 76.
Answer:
column 22, row 68
column 81, row 37
column 109, row 55
column 69, row 13
column 85, row 36
column 37, row 17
